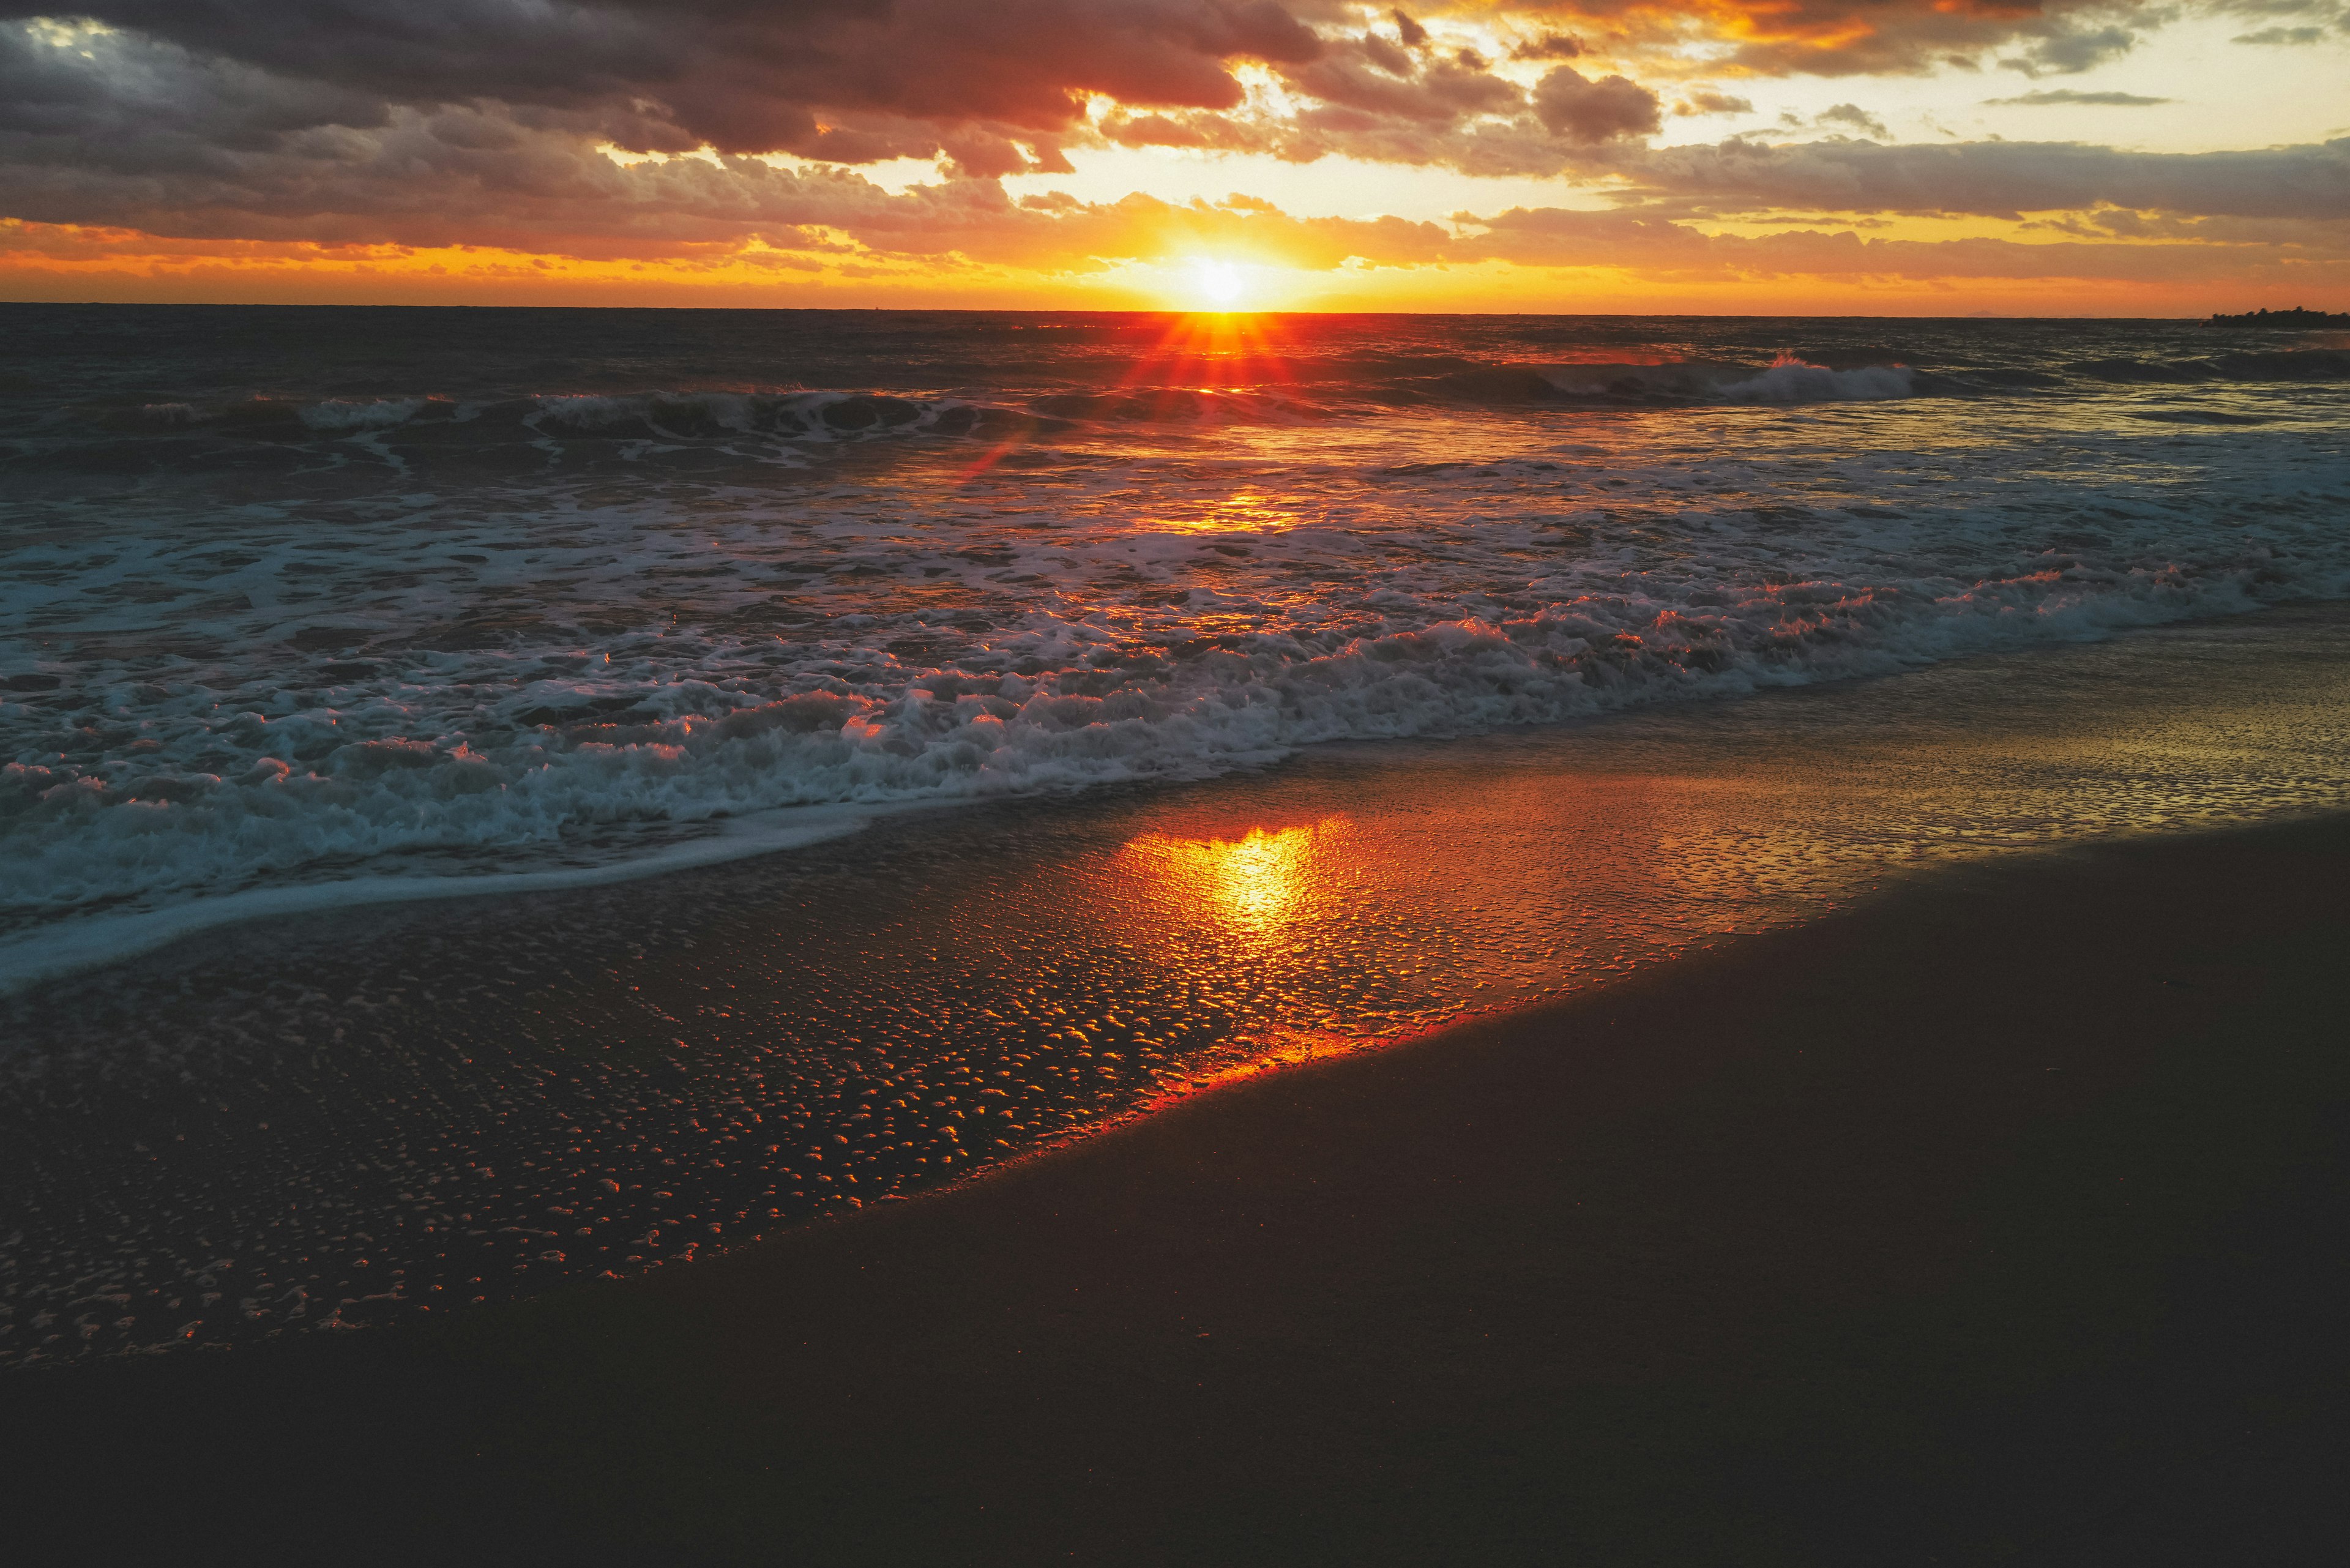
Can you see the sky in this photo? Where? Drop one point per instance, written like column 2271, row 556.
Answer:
column 1846, row 157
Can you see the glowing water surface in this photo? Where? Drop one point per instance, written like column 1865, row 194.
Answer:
column 298, row 609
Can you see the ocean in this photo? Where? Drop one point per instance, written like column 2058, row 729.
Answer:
column 876, row 744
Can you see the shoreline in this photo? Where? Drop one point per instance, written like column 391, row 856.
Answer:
column 403, row 1111
column 34, row 957
column 2000, row 1219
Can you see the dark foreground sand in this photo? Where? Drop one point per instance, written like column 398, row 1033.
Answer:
column 2005, row 1219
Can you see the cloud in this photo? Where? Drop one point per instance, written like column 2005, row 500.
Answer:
column 1838, row 121
column 2066, row 52
column 2281, row 35
column 1560, row 237
column 1139, row 72
column 1549, row 47
column 1012, row 87
column 2067, row 95
column 205, row 154
column 1855, row 117
column 1589, row 112
column 1992, row 179
column 479, row 122
column 1705, row 100
column 673, row 75
column 1854, row 37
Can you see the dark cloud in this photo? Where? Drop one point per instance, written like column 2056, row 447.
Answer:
column 1588, row 112
column 133, row 94
column 1002, row 88
column 1549, row 47
column 437, row 122
column 2281, row 35
column 740, row 76
column 2065, row 51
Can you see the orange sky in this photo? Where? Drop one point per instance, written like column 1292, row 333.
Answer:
column 1799, row 156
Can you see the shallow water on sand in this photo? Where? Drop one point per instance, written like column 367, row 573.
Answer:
column 379, row 1112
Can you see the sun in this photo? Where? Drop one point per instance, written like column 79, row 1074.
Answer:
column 1219, row 283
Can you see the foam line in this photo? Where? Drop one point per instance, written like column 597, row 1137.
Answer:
column 53, row 952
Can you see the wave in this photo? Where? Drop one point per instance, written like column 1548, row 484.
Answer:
column 679, row 415
column 1670, row 383
column 2311, row 365
column 664, row 418
column 1787, row 379
column 370, row 789
column 799, row 415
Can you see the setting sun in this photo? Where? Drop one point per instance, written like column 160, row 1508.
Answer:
column 1219, row 284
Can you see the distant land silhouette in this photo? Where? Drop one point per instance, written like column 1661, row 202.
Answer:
column 2296, row 316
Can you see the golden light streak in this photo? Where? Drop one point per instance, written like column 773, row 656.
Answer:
column 1257, row 884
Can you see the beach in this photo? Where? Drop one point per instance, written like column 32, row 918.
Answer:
column 391, row 1113
column 2000, row 1219
column 1009, row 937
column 1906, row 1126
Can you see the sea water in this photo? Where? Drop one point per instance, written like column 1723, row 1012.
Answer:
column 309, row 605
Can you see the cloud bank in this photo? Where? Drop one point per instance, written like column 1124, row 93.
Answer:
column 631, row 128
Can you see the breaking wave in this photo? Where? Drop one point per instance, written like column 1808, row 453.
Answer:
column 401, row 774
column 369, row 640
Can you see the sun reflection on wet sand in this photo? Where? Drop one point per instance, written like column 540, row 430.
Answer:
column 1257, row 887
column 1259, row 882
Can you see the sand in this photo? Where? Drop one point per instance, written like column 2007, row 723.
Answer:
column 2000, row 1219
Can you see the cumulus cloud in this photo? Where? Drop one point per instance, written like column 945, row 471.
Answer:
column 1549, row 47
column 1009, row 87
column 1705, row 100
column 445, row 122
column 2065, row 51
column 674, row 75
column 1589, row 112
column 1001, row 93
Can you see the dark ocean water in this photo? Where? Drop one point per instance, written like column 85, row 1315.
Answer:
column 302, row 611
column 295, row 599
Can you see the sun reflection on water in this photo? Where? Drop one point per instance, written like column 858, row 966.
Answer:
column 1258, row 883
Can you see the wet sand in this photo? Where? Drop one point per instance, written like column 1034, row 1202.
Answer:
column 2003, row 1218
column 391, row 1112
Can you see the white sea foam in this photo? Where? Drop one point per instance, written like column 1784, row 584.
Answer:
column 1793, row 381
column 346, row 415
column 64, row 948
